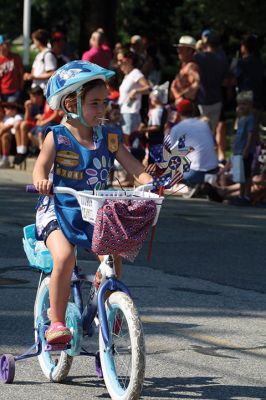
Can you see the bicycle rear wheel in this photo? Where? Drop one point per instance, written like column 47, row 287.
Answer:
column 123, row 365
column 55, row 364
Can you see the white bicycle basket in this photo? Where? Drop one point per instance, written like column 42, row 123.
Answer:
column 90, row 202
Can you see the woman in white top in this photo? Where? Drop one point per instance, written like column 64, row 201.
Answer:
column 44, row 64
column 133, row 86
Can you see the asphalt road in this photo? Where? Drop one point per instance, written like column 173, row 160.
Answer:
column 202, row 299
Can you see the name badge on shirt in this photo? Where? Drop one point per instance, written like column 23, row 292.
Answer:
column 113, row 142
column 67, row 158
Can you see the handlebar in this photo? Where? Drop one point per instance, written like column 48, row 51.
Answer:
column 32, row 189
column 145, row 188
column 90, row 202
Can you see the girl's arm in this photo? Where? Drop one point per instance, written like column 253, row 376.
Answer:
column 27, row 106
column 43, row 165
column 132, row 165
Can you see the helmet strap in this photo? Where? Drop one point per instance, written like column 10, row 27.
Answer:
column 79, row 109
column 79, row 116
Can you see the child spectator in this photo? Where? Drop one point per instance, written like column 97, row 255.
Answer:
column 48, row 118
column 245, row 141
column 34, row 107
column 7, row 131
column 113, row 119
column 157, row 118
column 113, row 115
column 113, row 89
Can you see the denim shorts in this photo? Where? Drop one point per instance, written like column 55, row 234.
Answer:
column 130, row 123
column 193, row 177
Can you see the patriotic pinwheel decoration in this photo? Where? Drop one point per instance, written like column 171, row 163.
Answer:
column 169, row 171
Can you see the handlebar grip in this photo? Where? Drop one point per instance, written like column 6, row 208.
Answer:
column 31, row 189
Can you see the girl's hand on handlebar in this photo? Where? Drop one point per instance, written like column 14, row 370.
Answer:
column 44, row 187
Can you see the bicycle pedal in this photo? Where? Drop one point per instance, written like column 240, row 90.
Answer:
column 57, row 347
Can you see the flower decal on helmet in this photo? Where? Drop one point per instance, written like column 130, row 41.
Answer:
column 64, row 75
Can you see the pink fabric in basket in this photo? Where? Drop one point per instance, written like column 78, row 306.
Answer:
column 121, row 227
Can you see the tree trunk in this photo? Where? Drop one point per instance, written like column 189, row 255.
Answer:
column 97, row 14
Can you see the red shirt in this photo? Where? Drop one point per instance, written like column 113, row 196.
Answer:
column 48, row 112
column 11, row 73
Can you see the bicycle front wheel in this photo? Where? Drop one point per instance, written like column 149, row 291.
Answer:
column 123, row 366
column 56, row 364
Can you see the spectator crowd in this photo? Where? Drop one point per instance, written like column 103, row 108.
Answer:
column 191, row 106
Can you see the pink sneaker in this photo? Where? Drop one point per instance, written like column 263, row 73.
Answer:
column 58, row 333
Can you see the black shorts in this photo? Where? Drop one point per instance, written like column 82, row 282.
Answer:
column 50, row 227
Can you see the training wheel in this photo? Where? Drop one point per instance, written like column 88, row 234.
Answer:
column 7, row 368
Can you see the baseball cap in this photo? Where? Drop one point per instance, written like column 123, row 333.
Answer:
column 161, row 92
column 4, row 39
column 206, row 33
column 186, row 41
column 184, row 106
column 58, row 35
column 210, row 37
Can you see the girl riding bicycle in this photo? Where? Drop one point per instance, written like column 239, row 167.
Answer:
column 78, row 153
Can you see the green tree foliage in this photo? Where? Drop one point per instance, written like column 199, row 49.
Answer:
column 51, row 15
column 11, row 18
column 161, row 21
column 97, row 14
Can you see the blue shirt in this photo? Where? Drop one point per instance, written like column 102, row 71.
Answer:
column 246, row 125
column 213, row 70
column 250, row 75
column 80, row 168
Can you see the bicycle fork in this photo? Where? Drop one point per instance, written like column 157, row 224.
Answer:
column 104, row 281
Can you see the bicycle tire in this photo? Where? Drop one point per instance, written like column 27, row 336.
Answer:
column 55, row 366
column 119, row 386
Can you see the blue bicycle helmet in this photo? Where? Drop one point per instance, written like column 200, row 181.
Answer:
column 69, row 79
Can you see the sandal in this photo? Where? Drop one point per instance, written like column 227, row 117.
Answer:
column 58, row 333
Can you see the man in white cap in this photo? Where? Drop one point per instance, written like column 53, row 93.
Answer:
column 187, row 81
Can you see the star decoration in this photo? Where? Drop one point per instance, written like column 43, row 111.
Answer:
column 174, row 163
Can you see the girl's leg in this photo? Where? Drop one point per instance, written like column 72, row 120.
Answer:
column 118, row 266
column 64, row 261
